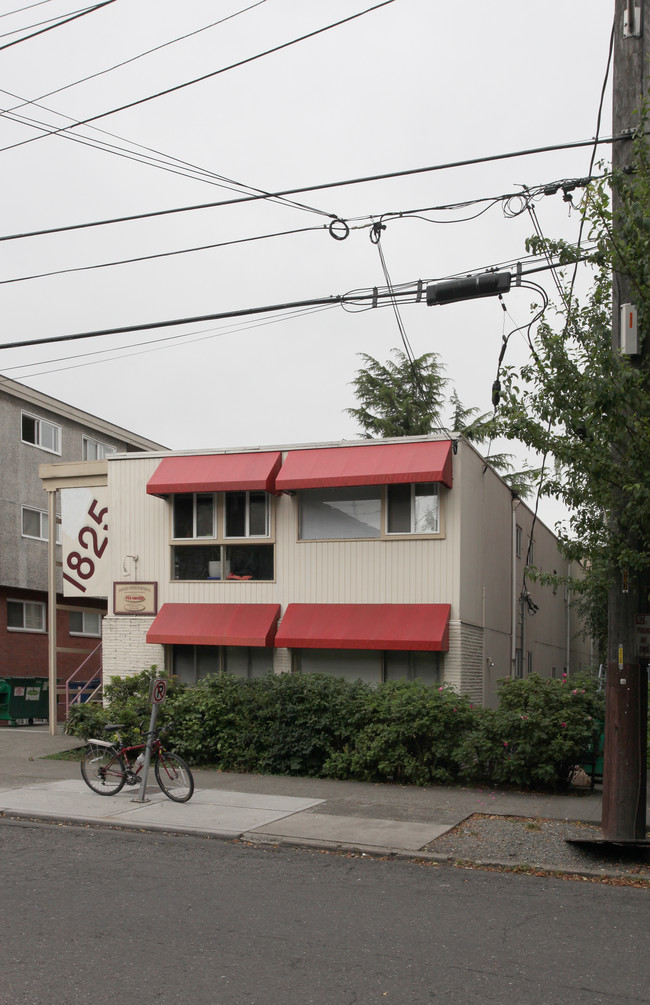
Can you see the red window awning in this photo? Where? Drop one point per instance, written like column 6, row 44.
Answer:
column 215, row 624
column 368, row 464
column 365, row 626
column 216, row 473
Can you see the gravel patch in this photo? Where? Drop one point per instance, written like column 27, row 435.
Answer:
column 519, row 842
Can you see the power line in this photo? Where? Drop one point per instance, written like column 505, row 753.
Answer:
column 132, row 59
column 161, row 254
column 66, row 20
column 363, row 180
column 225, row 69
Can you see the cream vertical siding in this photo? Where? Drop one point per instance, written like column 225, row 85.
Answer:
column 470, row 567
column 377, row 571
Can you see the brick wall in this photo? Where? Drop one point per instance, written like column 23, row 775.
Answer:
column 126, row 650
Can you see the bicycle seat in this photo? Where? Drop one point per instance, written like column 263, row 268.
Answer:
column 113, row 726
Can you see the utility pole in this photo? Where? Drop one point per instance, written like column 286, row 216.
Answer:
column 624, row 771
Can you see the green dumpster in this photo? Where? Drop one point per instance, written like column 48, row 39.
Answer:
column 24, row 699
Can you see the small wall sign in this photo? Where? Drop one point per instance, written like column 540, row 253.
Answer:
column 134, row 599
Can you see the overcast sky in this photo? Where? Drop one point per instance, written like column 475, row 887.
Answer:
column 412, row 84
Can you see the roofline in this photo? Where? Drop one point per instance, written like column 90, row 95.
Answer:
column 61, row 408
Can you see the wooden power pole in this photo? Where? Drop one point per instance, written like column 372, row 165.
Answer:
column 624, row 774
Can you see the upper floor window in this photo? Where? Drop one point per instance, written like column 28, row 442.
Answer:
column 369, row 511
column 35, row 523
column 347, row 512
column 25, row 616
column 518, row 540
column 194, row 515
column 40, row 433
column 85, row 623
column 413, row 509
column 209, row 520
column 246, row 514
column 95, row 450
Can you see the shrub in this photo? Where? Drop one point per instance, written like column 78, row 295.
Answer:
column 410, row 733
column 537, row 735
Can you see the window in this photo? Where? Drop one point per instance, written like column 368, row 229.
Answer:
column 518, row 538
column 349, row 512
column 35, row 524
column 25, row 616
column 412, row 509
column 247, row 514
column 357, row 512
column 191, row 663
column 371, row 665
column 95, row 450
column 40, row 433
column 529, row 666
column 86, row 623
column 199, row 516
column 194, row 515
column 217, row 561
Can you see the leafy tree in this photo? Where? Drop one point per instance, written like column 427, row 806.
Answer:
column 579, row 401
column 480, row 429
column 401, row 397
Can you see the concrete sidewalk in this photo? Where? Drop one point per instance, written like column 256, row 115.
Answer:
column 352, row 816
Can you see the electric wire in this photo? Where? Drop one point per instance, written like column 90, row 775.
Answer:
column 30, row 6
column 59, row 24
column 132, row 59
column 231, row 66
column 159, row 254
column 152, row 345
column 166, row 162
column 311, row 188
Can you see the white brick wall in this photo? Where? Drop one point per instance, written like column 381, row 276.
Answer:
column 463, row 666
column 126, row 650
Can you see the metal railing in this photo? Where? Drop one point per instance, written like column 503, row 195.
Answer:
column 91, row 688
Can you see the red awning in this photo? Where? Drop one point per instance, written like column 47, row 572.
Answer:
column 365, row 626
column 215, row 624
column 368, row 464
column 215, row 473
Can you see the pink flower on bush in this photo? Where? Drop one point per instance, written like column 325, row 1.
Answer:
column 563, row 725
column 505, row 743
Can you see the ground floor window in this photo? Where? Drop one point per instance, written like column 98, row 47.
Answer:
column 190, row 663
column 371, row 666
column 25, row 616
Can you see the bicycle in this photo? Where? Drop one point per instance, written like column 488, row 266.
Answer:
column 106, row 767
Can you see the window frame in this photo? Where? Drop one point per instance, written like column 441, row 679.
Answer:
column 44, row 519
column 384, row 534
column 218, row 539
column 247, row 536
column 39, row 421
column 106, row 448
column 413, row 514
column 84, row 633
column 23, row 604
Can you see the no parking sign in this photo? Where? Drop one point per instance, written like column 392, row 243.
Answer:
column 157, row 691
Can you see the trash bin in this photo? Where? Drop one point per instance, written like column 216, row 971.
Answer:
column 24, row 699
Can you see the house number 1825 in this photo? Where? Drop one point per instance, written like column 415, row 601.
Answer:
column 89, row 539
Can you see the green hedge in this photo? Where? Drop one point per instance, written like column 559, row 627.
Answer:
column 405, row 731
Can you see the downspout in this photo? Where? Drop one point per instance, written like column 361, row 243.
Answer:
column 568, row 622
column 513, row 633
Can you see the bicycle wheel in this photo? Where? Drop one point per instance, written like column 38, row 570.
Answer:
column 103, row 770
column 174, row 777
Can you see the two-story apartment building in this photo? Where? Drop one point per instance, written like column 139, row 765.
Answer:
column 35, row 428
column 376, row 559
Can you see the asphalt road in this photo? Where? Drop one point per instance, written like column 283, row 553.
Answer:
column 117, row 918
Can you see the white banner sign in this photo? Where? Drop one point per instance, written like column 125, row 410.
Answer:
column 84, row 536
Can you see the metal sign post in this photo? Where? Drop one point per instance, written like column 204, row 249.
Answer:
column 157, row 693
